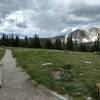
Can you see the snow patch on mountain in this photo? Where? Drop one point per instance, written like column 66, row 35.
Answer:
column 84, row 36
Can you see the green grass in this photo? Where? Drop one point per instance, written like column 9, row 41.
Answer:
column 1, row 52
column 79, row 79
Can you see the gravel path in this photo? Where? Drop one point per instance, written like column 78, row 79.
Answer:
column 16, row 85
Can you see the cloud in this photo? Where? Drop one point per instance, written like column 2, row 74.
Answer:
column 48, row 17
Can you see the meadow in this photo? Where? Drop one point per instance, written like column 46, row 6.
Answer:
column 73, row 73
column 1, row 52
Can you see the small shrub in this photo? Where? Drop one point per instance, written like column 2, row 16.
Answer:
column 92, row 89
column 67, row 76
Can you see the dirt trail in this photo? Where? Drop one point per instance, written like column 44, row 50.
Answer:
column 15, row 84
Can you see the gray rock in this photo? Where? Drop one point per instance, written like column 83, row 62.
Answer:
column 88, row 62
column 89, row 98
column 46, row 64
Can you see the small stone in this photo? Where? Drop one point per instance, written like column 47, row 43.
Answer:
column 46, row 64
column 94, row 70
column 88, row 62
column 78, row 93
column 57, row 75
column 81, row 74
column 98, row 87
column 89, row 98
column 61, row 69
column 95, row 52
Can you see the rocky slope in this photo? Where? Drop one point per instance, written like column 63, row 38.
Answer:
column 85, row 36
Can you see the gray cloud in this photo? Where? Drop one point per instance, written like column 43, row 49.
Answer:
column 47, row 17
column 21, row 25
column 86, row 10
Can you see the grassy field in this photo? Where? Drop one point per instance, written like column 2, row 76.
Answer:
column 81, row 71
column 1, row 52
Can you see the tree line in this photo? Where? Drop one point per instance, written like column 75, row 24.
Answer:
column 46, row 43
column 84, row 47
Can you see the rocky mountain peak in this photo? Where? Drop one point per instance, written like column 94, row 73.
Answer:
column 85, row 36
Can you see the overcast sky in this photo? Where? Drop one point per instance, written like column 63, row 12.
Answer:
column 48, row 17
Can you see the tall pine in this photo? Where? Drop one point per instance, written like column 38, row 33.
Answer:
column 26, row 41
column 16, row 41
column 83, row 47
column 48, row 44
column 58, row 44
column 69, row 43
column 96, row 46
column 36, row 42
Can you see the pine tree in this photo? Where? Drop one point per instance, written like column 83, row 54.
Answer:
column 75, row 45
column 7, row 40
column 83, row 47
column 57, row 44
column 26, row 41
column 69, row 43
column 36, row 42
column 48, row 44
column 16, row 41
column 11, row 40
column 3, row 40
column 96, row 46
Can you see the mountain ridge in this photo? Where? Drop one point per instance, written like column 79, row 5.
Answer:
column 85, row 36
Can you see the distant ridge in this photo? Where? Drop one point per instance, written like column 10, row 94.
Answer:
column 85, row 36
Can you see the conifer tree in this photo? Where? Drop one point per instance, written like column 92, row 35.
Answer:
column 11, row 40
column 96, row 46
column 36, row 42
column 48, row 44
column 26, row 41
column 69, row 43
column 16, row 41
column 57, row 44
column 83, row 47
column 3, row 39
